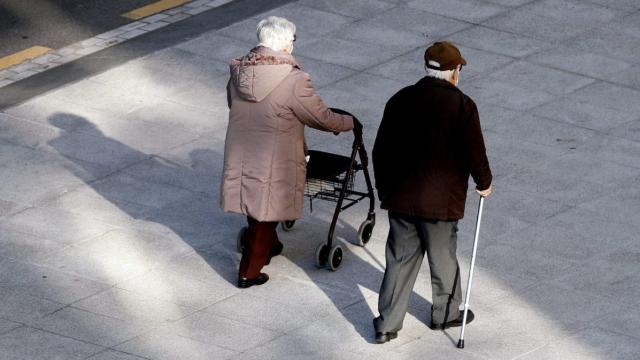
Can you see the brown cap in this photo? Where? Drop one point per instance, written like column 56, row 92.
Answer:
column 443, row 55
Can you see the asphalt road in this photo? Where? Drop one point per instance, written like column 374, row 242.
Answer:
column 57, row 23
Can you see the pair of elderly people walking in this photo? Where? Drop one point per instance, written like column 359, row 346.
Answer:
column 428, row 144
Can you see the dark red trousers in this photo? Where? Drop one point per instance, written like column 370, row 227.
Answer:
column 259, row 239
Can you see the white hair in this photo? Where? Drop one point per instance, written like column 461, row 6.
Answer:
column 276, row 33
column 440, row 74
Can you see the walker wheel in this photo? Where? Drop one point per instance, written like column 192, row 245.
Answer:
column 335, row 257
column 287, row 225
column 365, row 231
column 240, row 243
column 322, row 254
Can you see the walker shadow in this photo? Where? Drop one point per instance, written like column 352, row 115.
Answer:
column 360, row 274
column 197, row 223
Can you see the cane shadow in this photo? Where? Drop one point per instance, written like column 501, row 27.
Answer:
column 356, row 275
column 195, row 218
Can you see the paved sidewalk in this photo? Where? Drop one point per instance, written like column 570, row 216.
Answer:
column 113, row 246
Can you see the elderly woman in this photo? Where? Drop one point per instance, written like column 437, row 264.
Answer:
column 271, row 99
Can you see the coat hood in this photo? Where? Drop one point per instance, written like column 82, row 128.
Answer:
column 255, row 75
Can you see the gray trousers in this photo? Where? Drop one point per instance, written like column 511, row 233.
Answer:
column 409, row 238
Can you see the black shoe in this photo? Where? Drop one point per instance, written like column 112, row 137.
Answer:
column 244, row 283
column 275, row 251
column 454, row 323
column 382, row 338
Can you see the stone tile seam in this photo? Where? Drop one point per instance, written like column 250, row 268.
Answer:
column 102, row 41
column 107, row 349
column 60, row 335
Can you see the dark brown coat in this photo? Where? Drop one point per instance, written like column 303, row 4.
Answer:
column 270, row 100
column 428, row 143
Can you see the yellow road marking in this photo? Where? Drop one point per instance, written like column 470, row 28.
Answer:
column 154, row 8
column 23, row 55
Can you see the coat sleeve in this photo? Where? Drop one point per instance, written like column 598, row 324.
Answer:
column 477, row 153
column 381, row 152
column 309, row 108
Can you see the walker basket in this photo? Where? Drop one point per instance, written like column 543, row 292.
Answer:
column 326, row 174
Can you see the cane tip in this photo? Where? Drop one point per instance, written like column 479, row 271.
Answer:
column 461, row 344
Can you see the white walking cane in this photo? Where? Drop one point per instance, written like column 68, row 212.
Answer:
column 473, row 263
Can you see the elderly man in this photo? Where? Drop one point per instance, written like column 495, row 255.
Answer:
column 428, row 143
column 270, row 100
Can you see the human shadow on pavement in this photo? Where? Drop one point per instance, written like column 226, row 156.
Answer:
column 193, row 215
column 197, row 218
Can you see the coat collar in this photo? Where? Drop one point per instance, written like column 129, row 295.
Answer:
column 429, row 81
column 262, row 55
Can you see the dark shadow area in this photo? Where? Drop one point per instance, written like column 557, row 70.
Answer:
column 106, row 59
column 58, row 23
column 362, row 274
column 204, row 218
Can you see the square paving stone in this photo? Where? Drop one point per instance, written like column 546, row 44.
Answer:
column 467, row 10
column 21, row 246
column 310, row 20
column 499, row 42
column 132, row 307
column 627, row 5
column 210, row 96
column 101, row 97
column 370, row 32
column 584, row 114
column 6, row 326
column 593, row 225
column 220, row 48
column 171, row 286
column 532, row 265
column 408, row 68
column 56, row 225
column 628, row 77
column 583, row 166
column 538, row 78
column 85, row 201
column 608, row 42
column 119, row 255
column 162, row 344
column 46, row 283
column 114, row 355
column 582, row 62
column 629, row 131
column 222, row 332
column 254, row 311
column 547, row 132
column 29, row 343
column 89, row 327
column 524, row 22
column 508, row 95
column 147, row 193
column 574, row 11
column 590, row 343
column 20, row 307
column 360, row 9
column 360, row 56
column 557, row 241
column 614, row 149
column 552, row 187
column 322, row 73
column 609, row 96
column 433, row 27
column 612, row 276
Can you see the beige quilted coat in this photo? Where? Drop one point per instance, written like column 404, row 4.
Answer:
column 270, row 100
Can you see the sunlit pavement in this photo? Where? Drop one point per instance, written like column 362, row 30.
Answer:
column 113, row 246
